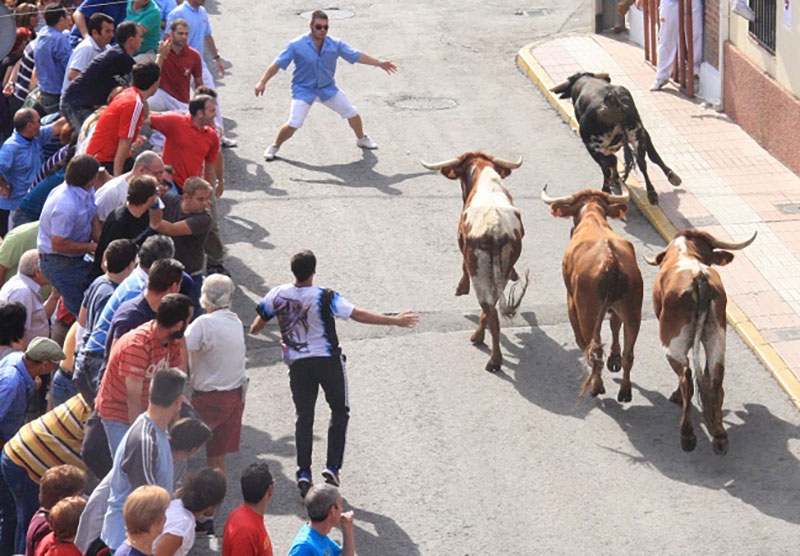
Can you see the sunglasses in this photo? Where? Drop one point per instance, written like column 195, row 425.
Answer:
column 320, row 27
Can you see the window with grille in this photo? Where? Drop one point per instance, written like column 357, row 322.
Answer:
column 763, row 28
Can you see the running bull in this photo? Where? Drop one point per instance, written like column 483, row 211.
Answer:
column 490, row 239
column 609, row 121
column 690, row 301
column 601, row 276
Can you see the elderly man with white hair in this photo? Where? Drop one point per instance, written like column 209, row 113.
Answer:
column 26, row 287
column 215, row 342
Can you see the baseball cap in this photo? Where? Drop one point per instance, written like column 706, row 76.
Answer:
column 44, row 349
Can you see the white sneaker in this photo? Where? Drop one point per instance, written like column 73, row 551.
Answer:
column 270, row 152
column 228, row 143
column 742, row 9
column 659, row 83
column 366, row 143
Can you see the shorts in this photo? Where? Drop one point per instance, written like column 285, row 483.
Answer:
column 222, row 412
column 338, row 103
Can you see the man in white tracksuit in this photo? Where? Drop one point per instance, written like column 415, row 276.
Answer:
column 669, row 40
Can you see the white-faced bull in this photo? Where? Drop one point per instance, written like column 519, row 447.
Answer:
column 490, row 239
column 690, row 301
column 601, row 276
column 608, row 121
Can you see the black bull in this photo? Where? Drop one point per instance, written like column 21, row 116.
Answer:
column 608, row 121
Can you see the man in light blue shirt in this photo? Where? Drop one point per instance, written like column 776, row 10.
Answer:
column 20, row 160
column 51, row 55
column 68, row 231
column 314, row 56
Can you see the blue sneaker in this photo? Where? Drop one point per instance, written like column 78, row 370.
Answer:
column 304, row 482
column 331, row 476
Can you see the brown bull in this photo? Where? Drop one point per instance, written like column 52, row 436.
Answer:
column 490, row 239
column 601, row 276
column 690, row 301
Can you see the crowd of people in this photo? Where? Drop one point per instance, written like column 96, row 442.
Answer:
column 120, row 356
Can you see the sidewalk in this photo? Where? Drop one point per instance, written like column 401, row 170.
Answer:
column 731, row 187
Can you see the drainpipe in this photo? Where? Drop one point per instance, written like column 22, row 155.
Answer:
column 598, row 16
column 724, row 15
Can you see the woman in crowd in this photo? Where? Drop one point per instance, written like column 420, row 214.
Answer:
column 145, row 515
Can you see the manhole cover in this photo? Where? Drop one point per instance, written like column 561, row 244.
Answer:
column 333, row 13
column 533, row 12
column 425, row 103
column 788, row 208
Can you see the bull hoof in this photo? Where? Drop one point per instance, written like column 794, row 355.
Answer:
column 624, row 394
column 674, row 179
column 462, row 290
column 493, row 368
column 676, row 397
column 614, row 362
column 688, row 442
column 477, row 337
column 652, row 197
column 598, row 388
column 720, row 444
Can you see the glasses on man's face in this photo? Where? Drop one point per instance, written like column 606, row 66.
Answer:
column 320, row 27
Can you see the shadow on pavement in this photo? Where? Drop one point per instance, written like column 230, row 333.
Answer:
column 356, row 174
column 757, row 469
column 387, row 540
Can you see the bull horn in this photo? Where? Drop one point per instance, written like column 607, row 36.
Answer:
column 507, row 164
column 550, row 200
column 602, row 75
column 734, row 246
column 439, row 165
column 650, row 260
column 621, row 199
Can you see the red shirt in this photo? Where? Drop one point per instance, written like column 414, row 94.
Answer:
column 51, row 547
column 245, row 534
column 120, row 120
column 187, row 147
column 178, row 70
column 137, row 355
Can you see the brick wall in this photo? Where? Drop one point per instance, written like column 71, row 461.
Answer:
column 762, row 107
column 711, row 32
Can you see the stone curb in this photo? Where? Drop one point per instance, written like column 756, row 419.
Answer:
column 735, row 316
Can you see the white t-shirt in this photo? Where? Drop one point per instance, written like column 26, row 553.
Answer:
column 111, row 196
column 305, row 316
column 180, row 523
column 215, row 342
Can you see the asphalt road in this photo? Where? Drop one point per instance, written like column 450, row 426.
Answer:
column 443, row 457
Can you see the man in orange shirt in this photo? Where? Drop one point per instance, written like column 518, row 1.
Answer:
column 245, row 533
column 134, row 359
column 117, row 129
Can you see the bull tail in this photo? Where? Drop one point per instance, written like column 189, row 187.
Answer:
column 511, row 302
column 702, row 295
column 630, row 161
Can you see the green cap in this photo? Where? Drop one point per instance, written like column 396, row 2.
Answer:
column 44, row 349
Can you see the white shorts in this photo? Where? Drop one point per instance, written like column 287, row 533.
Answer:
column 338, row 103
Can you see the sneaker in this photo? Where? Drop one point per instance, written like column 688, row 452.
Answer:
column 228, row 143
column 659, row 83
column 366, row 143
column 217, row 269
column 271, row 151
column 331, row 476
column 743, row 10
column 204, row 527
column 304, row 482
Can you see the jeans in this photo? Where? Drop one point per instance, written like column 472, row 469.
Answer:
column 62, row 388
column 114, row 432
column 26, row 499
column 69, row 275
column 49, row 102
column 75, row 115
column 8, row 518
column 305, row 378
column 22, row 217
column 94, row 450
column 86, row 375
column 197, row 286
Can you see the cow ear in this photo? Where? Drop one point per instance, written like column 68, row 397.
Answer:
column 660, row 257
column 564, row 210
column 617, row 210
column 449, row 172
column 721, row 258
column 504, row 172
column 562, row 89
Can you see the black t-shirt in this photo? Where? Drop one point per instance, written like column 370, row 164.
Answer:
column 91, row 88
column 188, row 249
column 120, row 224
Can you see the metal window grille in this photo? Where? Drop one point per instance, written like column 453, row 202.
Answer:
column 763, row 28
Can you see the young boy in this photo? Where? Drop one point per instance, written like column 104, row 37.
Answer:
column 64, row 518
